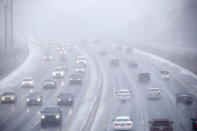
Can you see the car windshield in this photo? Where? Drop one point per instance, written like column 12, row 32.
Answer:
column 8, row 93
column 34, row 94
column 65, row 95
column 154, row 89
column 122, row 119
column 123, row 91
column 51, row 109
column 161, row 123
column 164, row 72
column 27, row 79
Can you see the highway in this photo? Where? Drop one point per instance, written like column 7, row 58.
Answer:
column 95, row 101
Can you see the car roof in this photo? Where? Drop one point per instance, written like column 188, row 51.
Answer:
column 123, row 90
column 122, row 117
column 154, row 89
column 155, row 120
column 28, row 78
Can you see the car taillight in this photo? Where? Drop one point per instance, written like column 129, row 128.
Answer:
column 195, row 124
column 128, row 124
column 116, row 124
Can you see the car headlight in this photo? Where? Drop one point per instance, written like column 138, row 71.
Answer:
column 38, row 99
column 54, row 73
column 12, row 98
column 43, row 117
column 23, row 83
column 3, row 98
column 27, row 99
column 57, row 116
column 58, row 99
column 70, row 99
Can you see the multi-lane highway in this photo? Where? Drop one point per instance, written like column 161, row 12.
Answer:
column 96, row 103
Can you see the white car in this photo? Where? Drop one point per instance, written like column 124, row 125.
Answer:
column 58, row 73
column 81, row 60
column 123, row 94
column 80, row 70
column 45, row 58
column 28, row 82
column 154, row 93
column 165, row 75
column 122, row 123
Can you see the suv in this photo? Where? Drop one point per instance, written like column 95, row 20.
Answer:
column 58, row 73
column 122, row 123
column 144, row 77
column 51, row 115
column 27, row 82
column 164, row 75
column 34, row 98
column 8, row 97
column 161, row 125
column 65, row 99
column 114, row 62
column 48, row 84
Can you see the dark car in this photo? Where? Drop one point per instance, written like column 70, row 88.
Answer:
column 49, row 84
column 129, row 50
column 8, row 97
column 51, row 115
column 75, row 78
column 114, row 62
column 186, row 98
column 132, row 64
column 161, row 125
column 34, row 98
column 194, row 124
column 65, row 99
column 144, row 77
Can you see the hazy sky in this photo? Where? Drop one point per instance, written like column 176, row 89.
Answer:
column 80, row 19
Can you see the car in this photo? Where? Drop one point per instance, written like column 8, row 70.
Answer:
column 81, row 65
column 129, row 50
column 185, row 97
column 58, row 73
column 65, row 99
column 8, row 97
column 154, row 93
column 80, row 70
column 123, row 95
column 114, row 62
column 144, row 77
column 123, row 123
column 81, row 60
column 49, row 84
column 47, row 58
column 161, row 125
column 119, row 47
column 132, row 64
column 103, row 53
column 51, row 115
column 194, row 124
column 34, row 98
column 75, row 78
column 28, row 82
column 165, row 75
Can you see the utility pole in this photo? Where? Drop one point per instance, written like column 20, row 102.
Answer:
column 5, row 31
column 11, row 22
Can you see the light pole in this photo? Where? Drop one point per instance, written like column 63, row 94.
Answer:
column 5, row 31
column 11, row 22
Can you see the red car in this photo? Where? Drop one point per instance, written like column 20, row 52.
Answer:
column 161, row 125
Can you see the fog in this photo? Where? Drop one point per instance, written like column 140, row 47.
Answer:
column 123, row 20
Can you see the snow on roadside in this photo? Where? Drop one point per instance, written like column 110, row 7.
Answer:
column 157, row 58
column 29, row 63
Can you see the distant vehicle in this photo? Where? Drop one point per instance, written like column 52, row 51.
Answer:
column 65, row 68
column 51, row 115
column 103, row 53
column 81, row 60
column 122, row 123
column 144, row 77
column 34, row 98
column 65, row 99
column 129, row 50
column 49, row 84
column 81, row 65
column 114, row 62
column 47, row 58
column 161, row 125
column 28, row 82
column 58, row 73
column 123, row 95
column 75, row 78
column 80, row 70
column 119, row 48
column 8, row 97
column 154, row 93
column 194, row 124
column 132, row 64
column 165, row 75
column 185, row 98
